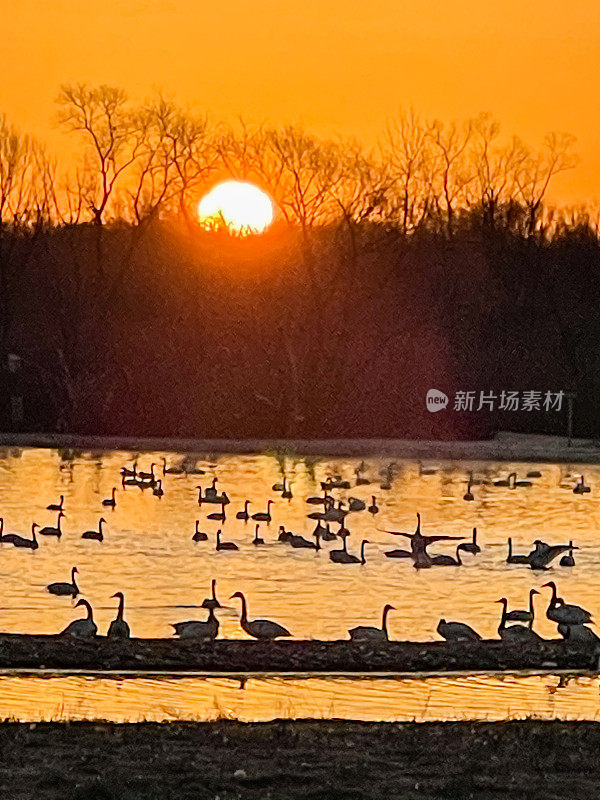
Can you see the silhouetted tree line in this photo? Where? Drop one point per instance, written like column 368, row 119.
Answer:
column 432, row 261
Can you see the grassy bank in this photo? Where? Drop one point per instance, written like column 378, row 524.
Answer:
column 303, row 759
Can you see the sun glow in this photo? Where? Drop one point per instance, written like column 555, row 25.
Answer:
column 238, row 205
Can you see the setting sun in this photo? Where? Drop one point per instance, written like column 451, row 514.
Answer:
column 242, row 207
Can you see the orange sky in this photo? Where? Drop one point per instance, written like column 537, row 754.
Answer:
column 335, row 65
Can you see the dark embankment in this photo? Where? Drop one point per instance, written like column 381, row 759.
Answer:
column 303, row 759
column 55, row 652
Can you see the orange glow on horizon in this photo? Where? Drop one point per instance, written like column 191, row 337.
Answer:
column 241, row 206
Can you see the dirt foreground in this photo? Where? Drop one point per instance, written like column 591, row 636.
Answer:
column 302, row 759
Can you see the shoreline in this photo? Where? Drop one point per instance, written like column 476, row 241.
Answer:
column 301, row 759
column 503, row 447
column 171, row 656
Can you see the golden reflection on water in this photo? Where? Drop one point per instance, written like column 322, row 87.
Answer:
column 149, row 554
column 261, row 699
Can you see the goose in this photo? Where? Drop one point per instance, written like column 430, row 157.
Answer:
column 112, row 500
column 262, row 629
column 578, row 633
column 581, row 488
column 298, row 542
column 129, row 473
column 56, row 506
column 264, row 516
column 157, row 490
column 257, row 539
column 370, row 634
column 50, row 530
column 82, row 628
column 544, row 553
column 171, row 470
column 457, row 632
column 344, row 557
column 97, row 535
column 287, row 493
column 472, row 546
column 244, row 514
column 565, row 613
column 218, row 515
column 211, row 602
column 118, row 628
column 198, row 630
column 225, row 545
column 469, row 494
column 448, row 561
column 199, row 536
column 354, row 504
column 64, row 588
column 506, row 481
column 512, row 559
column 521, row 615
column 515, row 633
column 29, row 544
column 568, row 560
column 284, row 536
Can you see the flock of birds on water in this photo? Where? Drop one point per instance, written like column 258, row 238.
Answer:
column 573, row 621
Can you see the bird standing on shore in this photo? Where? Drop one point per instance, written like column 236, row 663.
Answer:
column 118, row 628
column 262, row 629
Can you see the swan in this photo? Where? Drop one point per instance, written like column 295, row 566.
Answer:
column 82, row 628
column 360, row 481
column 257, row 539
column 578, row 633
column 568, row 560
column 565, row 613
column 6, row 537
column 218, row 515
column 50, row 530
column 457, row 632
column 287, row 493
column 420, row 543
column 534, row 473
column 426, row 470
column 279, row 487
column 97, row 535
column 522, row 615
column 56, row 506
column 171, row 470
column 517, row 483
column 335, row 483
column 157, row 490
column 511, row 559
column 373, row 508
column 472, row 546
column 112, row 500
column 211, row 602
column 29, row 544
column 199, row 536
column 118, row 628
column 581, row 488
column 317, row 501
column 299, row 542
column 284, row 536
column 64, row 588
column 344, row 557
column 544, row 553
column 328, row 535
column 398, row 553
column 515, row 633
column 262, row 629
column 264, row 516
column 198, row 630
column 147, row 476
column 354, row 504
column 469, row 494
column 506, row 481
column 370, row 634
column 211, row 491
column 244, row 514
column 129, row 473
column 448, row 561
column 334, row 514
column 225, row 545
